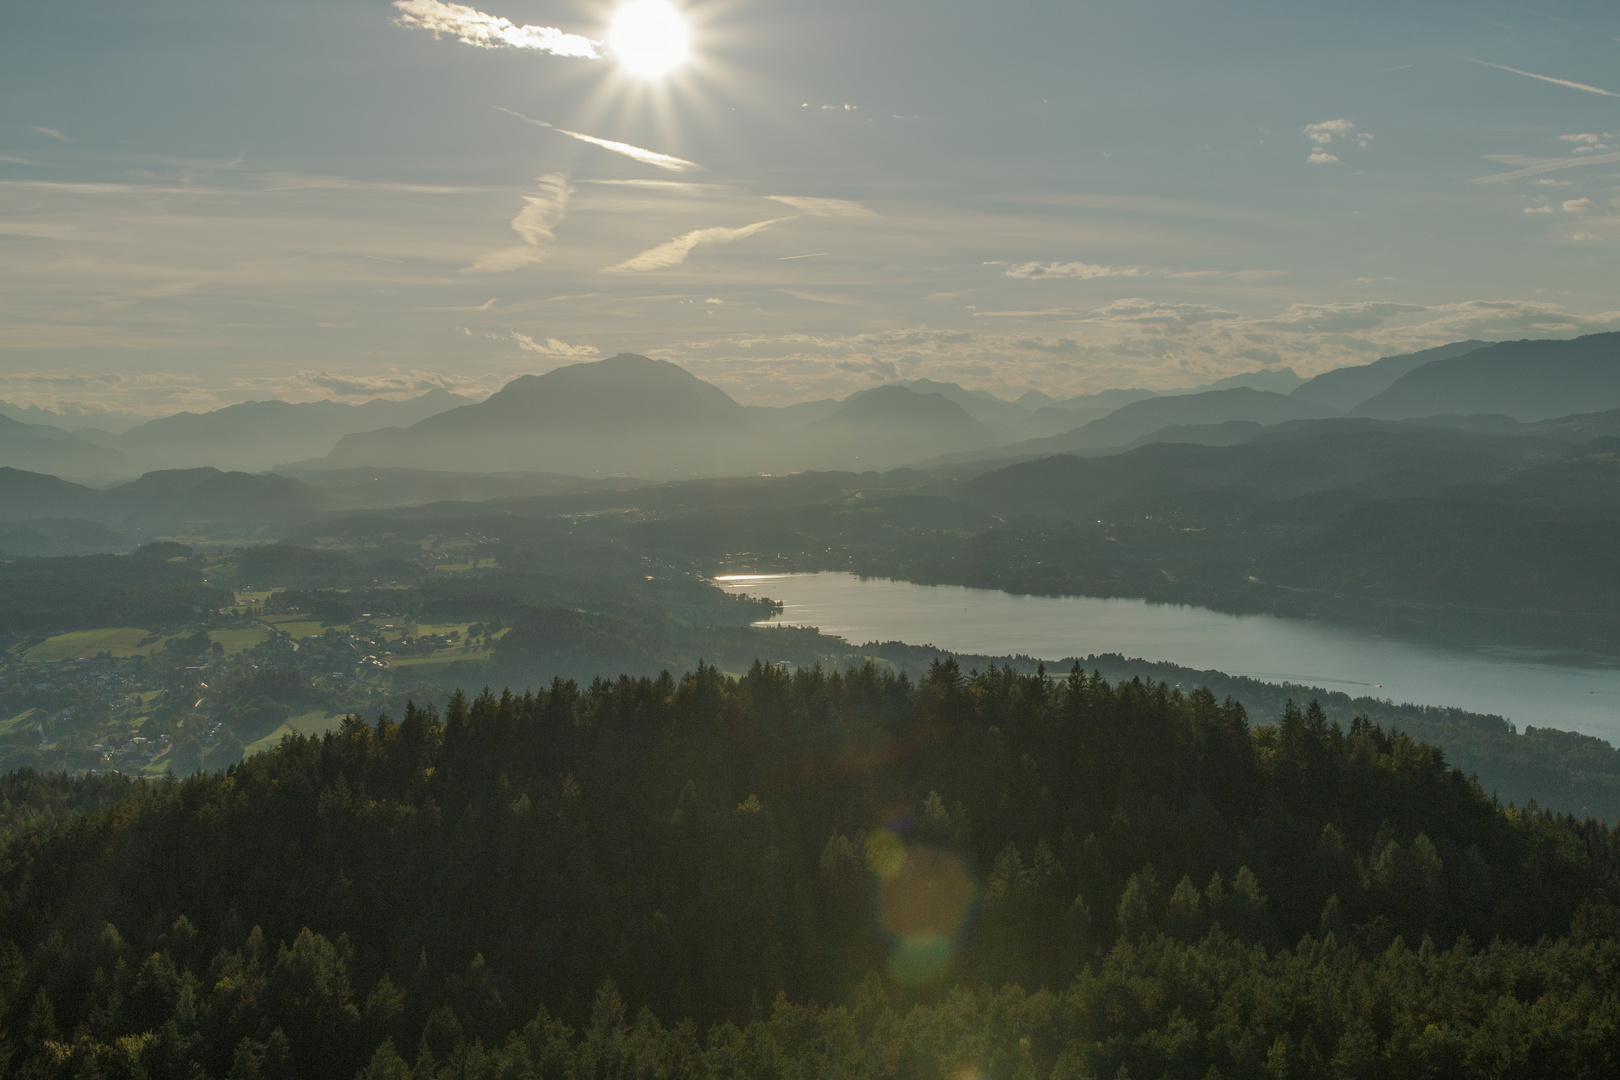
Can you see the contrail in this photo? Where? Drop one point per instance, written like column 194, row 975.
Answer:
column 1549, row 165
column 1549, row 78
column 645, row 156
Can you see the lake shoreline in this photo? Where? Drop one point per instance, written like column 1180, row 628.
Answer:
column 1531, row 688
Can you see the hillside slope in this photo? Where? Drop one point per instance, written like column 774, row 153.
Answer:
column 1345, row 388
column 1527, row 380
column 257, row 435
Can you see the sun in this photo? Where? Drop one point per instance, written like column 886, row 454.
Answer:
column 649, row 38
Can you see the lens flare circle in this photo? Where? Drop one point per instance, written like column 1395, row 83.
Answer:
column 649, row 38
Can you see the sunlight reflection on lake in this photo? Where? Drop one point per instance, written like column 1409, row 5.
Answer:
column 1510, row 684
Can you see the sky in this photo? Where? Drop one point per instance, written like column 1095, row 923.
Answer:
column 210, row 201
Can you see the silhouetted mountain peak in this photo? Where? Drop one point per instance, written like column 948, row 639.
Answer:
column 897, row 405
column 623, row 388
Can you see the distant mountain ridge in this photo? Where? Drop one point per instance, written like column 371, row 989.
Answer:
column 630, row 414
column 46, row 449
column 179, row 495
column 1346, row 387
column 253, row 436
column 257, row 435
column 1528, row 380
column 591, row 419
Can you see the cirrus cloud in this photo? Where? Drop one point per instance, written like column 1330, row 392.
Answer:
column 542, row 212
column 674, row 252
column 473, row 27
column 823, row 207
column 1035, row 270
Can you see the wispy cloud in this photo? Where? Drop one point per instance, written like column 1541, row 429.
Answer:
column 654, row 185
column 472, row 27
column 1032, row 270
column 542, row 212
column 49, row 133
column 641, row 154
column 674, row 252
column 1324, row 132
column 393, row 383
column 1035, row 271
column 18, row 160
column 1535, row 166
column 824, row 207
column 1549, row 79
column 552, row 347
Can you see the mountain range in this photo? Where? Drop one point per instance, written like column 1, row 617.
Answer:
column 631, row 416
column 252, row 436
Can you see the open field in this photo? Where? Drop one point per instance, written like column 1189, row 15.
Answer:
column 428, row 629
column 117, row 640
column 236, row 641
column 299, row 627
column 444, row 656
column 308, row 724
column 7, row 726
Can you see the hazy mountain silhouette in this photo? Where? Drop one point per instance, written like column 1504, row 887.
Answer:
column 884, row 427
column 169, row 496
column 1227, row 433
column 1345, row 388
column 1052, row 417
column 1527, row 380
column 1104, row 400
column 1356, row 461
column 627, row 414
column 257, row 435
column 1272, row 380
column 74, row 419
column 25, row 494
column 979, row 404
column 1132, row 422
column 46, row 449
column 633, row 415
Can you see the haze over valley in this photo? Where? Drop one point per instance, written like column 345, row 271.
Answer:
column 564, row 539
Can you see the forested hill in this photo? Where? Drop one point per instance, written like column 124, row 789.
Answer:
column 809, row 874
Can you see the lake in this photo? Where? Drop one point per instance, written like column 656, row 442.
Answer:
column 986, row 621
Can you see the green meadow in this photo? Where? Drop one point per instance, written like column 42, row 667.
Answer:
column 117, row 640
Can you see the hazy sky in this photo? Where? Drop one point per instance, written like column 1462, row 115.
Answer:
column 203, row 201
